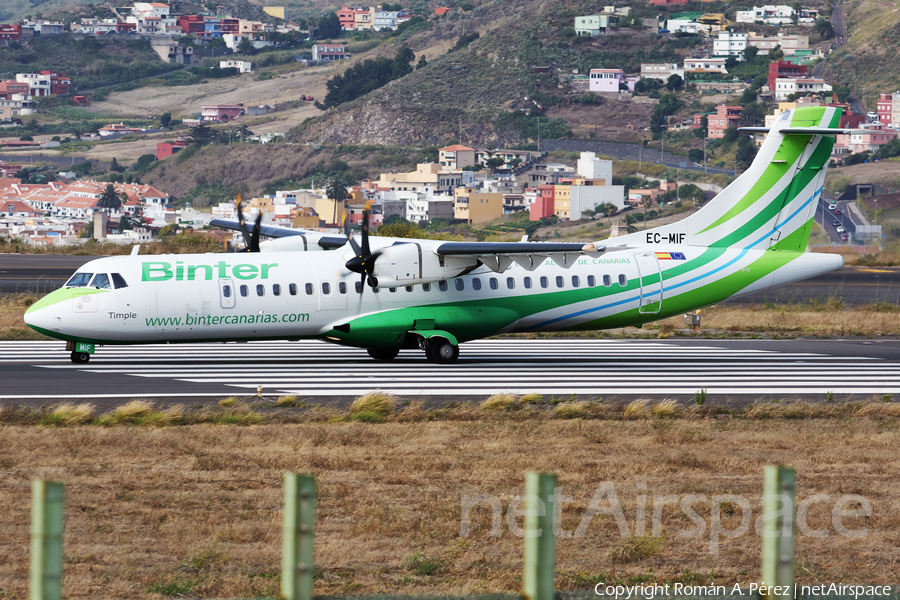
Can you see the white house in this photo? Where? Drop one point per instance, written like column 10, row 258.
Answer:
column 329, row 52
column 785, row 86
column 591, row 25
column 682, row 26
column 243, row 66
column 730, row 44
column 705, row 65
column 607, row 80
column 591, row 167
column 661, row 71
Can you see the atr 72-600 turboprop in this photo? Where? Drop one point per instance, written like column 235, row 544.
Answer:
column 435, row 295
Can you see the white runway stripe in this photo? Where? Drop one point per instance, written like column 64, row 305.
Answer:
column 605, row 367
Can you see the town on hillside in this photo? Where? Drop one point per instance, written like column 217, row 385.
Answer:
column 740, row 67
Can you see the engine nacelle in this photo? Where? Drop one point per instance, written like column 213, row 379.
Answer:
column 408, row 263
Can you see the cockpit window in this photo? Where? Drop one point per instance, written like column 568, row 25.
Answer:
column 101, row 280
column 119, row 281
column 79, row 280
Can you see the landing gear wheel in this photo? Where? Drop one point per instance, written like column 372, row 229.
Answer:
column 442, row 351
column 383, row 354
column 80, row 358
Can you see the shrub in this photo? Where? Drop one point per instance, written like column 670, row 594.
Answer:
column 228, row 401
column 532, row 399
column 666, row 408
column 571, row 410
column 499, row 402
column 287, row 401
column 636, row 410
column 132, row 411
column 66, row 415
column 377, row 403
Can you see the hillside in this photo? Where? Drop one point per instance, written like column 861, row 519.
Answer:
column 868, row 62
column 484, row 93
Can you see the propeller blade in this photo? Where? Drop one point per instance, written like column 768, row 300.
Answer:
column 365, row 232
column 245, row 232
column 254, row 239
column 350, row 239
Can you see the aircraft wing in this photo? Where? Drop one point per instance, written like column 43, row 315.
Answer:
column 498, row 256
column 326, row 242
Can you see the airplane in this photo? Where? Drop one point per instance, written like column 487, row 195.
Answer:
column 388, row 294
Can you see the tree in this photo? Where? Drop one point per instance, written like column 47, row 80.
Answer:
column 695, row 155
column 402, row 61
column 166, row 119
column 824, row 28
column 336, row 190
column 328, row 26
column 892, row 148
column 674, row 82
column 514, row 163
column 746, row 152
column 246, row 47
column 750, row 53
column 422, row 62
column 109, row 199
column 776, row 54
column 646, row 202
column 609, row 209
column 747, row 97
column 700, row 132
column 494, row 163
column 115, row 166
column 689, row 191
column 753, row 114
column 201, row 134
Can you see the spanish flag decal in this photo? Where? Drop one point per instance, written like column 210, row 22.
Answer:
column 670, row 256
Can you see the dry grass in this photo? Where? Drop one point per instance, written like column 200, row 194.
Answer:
column 500, row 402
column 196, row 509
column 571, row 410
column 67, row 415
column 636, row 409
column 375, row 403
column 665, row 408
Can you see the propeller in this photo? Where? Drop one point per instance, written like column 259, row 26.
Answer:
column 364, row 260
column 251, row 239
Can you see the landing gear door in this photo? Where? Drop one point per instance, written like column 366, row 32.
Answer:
column 226, row 292
column 651, row 282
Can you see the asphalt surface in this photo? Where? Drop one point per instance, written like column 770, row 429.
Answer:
column 736, row 372
column 650, row 154
column 42, row 273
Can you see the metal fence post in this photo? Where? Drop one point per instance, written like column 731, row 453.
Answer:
column 540, row 541
column 779, row 509
column 297, row 548
column 46, row 539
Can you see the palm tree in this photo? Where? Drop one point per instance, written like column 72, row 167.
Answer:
column 109, row 199
column 336, row 190
column 646, row 202
column 824, row 28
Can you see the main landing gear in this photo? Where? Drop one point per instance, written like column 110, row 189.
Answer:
column 383, row 354
column 440, row 350
column 80, row 358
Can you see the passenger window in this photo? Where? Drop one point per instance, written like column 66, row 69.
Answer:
column 226, row 291
column 260, row 289
column 409, row 288
column 426, row 287
column 359, row 287
column 342, row 287
column 476, row 284
column 511, row 283
column 544, row 282
column 528, row 283
column 576, row 281
column 119, row 281
column 376, row 290
column 101, row 280
column 443, row 286
column 244, row 291
column 309, row 289
column 494, row 284
column 79, row 280
column 592, row 281
column 276, row 289
column 460, row 285
column 326, row 288
column 623, row 281
column 292, row 288
column 607, row 281
column 559, row 281
column 393, row 290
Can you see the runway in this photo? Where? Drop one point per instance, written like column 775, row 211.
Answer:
column 730, row 370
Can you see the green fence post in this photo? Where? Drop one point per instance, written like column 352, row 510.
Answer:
column 46, row 539
column 540, row 541
column 779, row 510
column 297, row 548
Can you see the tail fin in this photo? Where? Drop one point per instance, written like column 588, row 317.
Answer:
column 773, row 203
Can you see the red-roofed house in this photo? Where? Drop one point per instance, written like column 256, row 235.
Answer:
column 15, row 208
column 441, row 11
column 9, row 31
column 719, row 122
column 10, row 87
column 456, row 157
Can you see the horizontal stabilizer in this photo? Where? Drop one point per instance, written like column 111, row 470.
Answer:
column 806, row 130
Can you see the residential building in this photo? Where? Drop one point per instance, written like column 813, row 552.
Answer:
column 476, row 207
column 725, row 116
column 456, row 157
column 11, row 89
column 786, row 86
column 166, row 149
column 508, row 156
column 150, row 10
column 10, row 31
column 712, row 23
column 254, row 29
column 181, row 55
column 705, row 65
column 543, row 206
column 585, row 195
column 43, row 27
column 868, row 137
column 590, row 167
column 275, row 11
column 895, row 109
column 46, row 83
column 769, row 14
column 118, row 129
column 684, row 22
column 385, row 20
column 13, row 109
column 789, row 44
column 95, row 26
column 15, row 208
column 194, row 25
column 427, row 176
column 441, row 11
column 363, row 20
column 608, row 80
column 885, row 109
column 329, row 52
column 729, row 43
column 668, row 2
column 221, row 113
column 591, row 25
column 347, row 16
column 243, row 66
column 785, row 69
column 661, row 71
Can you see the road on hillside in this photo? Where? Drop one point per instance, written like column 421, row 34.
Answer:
column 43, row 273
column 649, row 154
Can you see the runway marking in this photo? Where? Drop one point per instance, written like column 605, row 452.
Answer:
column 596, row 367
